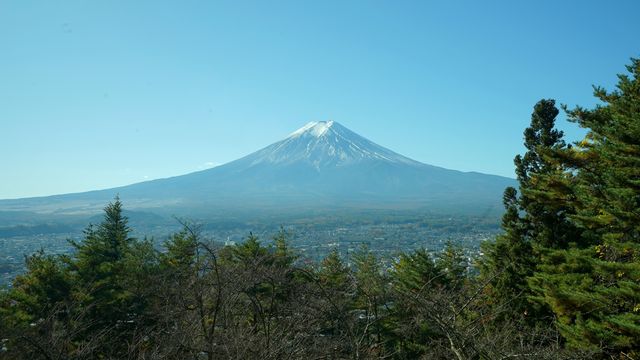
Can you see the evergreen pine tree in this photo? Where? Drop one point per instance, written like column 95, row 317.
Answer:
column 451, row 265
column 333, row 273
column 535, row 220
column 284, row 255
column 371, row 294
column 414, row 276
column 110, row 269
column 593, row 286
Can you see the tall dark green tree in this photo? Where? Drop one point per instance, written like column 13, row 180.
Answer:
column 593, row 285
column 371, row 293
column 451, row 265
column 509, row 261
column 99, row 264
column 333, row 272
column 45, row 284
column 284, row 255
column 111, row 271
column 93, row 301
column 335, row 283
column 535, row 219
column 414, row 276
column 413, row 271
column 249, row 253
column 544, row 193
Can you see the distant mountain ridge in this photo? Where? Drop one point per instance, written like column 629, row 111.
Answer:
column 321, row 165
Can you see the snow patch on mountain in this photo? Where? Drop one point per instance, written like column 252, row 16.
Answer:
column 314, row 129
column 326, row 144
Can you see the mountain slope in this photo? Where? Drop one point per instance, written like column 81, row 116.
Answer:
column 323, row 164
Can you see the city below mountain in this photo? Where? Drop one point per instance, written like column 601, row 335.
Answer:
column 321, row 166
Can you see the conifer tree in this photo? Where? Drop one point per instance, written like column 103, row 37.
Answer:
column 413, row 271
column 593, row 286
column 509, row 261
column 414, row 276
column 535, row 219
column 336, row 286
column 284, row 255
column 38, row 292
column 111, row 271
column 451, row 265
column 543, row 199
column 371, row 294
column 333, row 273
column 99, row 265
column 249, row 252
column 181, row 251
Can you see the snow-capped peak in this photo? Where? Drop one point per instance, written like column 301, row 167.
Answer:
column 326, row 144
column 314, row 128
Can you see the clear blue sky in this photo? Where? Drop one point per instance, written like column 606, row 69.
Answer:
column 96, row 94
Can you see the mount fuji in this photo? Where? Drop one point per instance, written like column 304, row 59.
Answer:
column 322, row 165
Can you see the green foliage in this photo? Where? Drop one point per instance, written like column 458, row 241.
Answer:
column 414, row 275
column 451, row 265
column 536, row 219
column 249, row 253
column 572, row 238
column 370, row 278
column 333, row 272
column 103, row 285
column 105, row 264
column 595, row 301
column 336, row 284
column 181, row 252
column 594, row 285
column 46, row 282
column 118, row 297
column 509, row 261
column 284, row 255
column 609, row 161
column 413, row 271
column 371, row 293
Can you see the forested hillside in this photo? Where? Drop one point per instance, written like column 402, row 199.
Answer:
column 561, row 282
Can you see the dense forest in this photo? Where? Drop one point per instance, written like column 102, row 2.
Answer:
column 562, row 281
